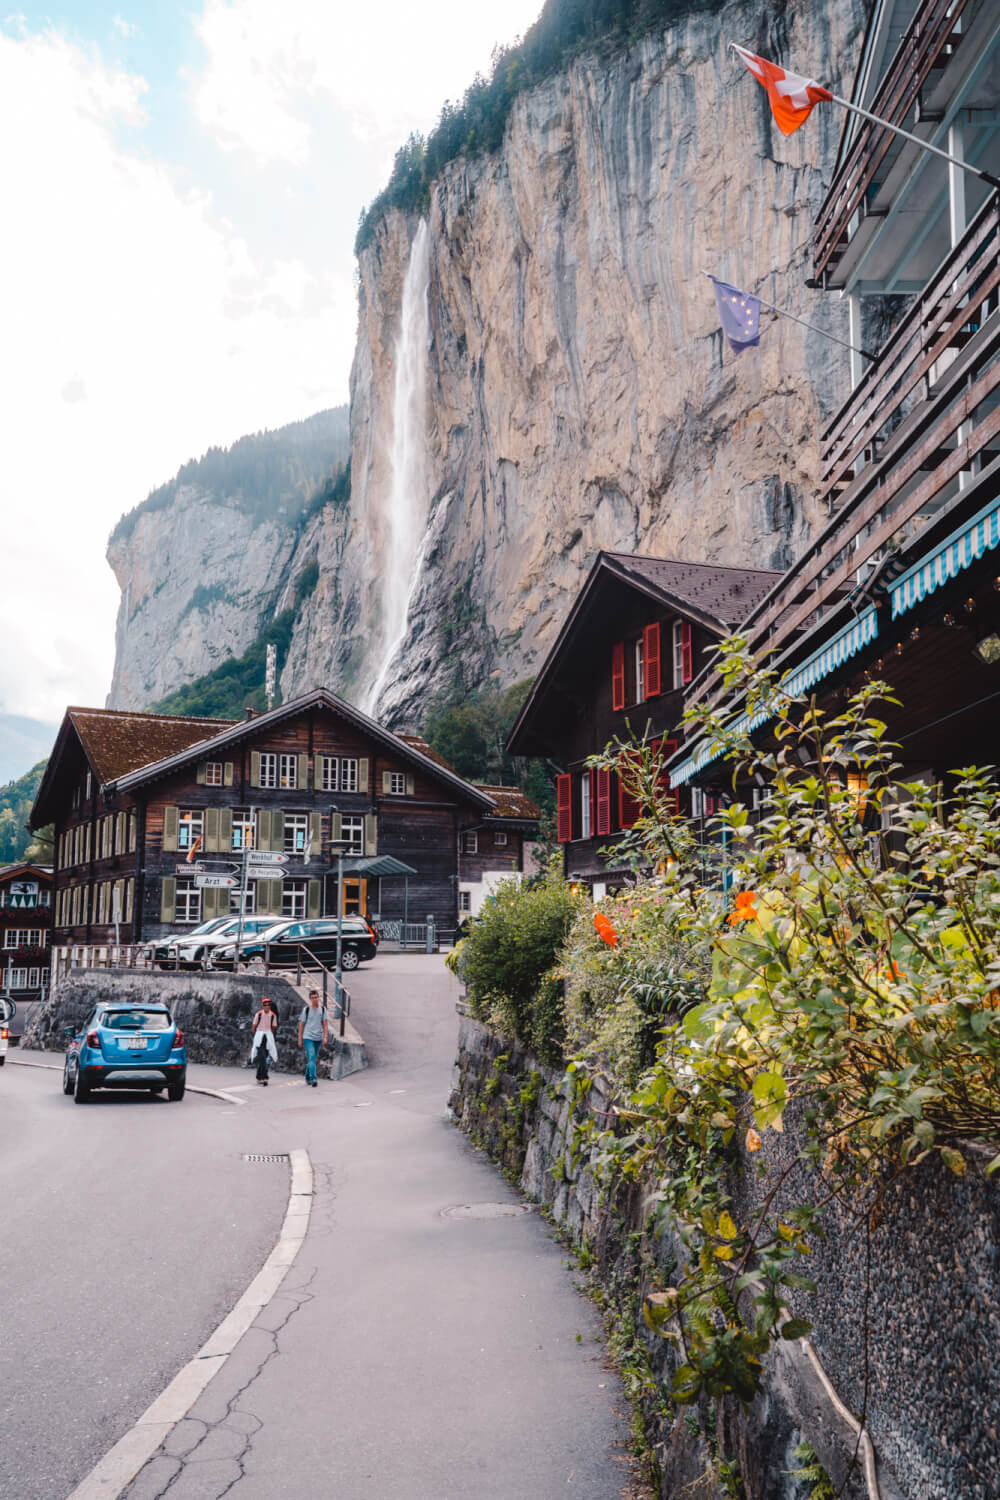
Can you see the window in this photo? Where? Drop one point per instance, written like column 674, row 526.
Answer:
column 465, row 900
column 23, row 937
column 293, row 898
column 353, row 829
column 397, row 783
column 190, row 827
column 107, row 836
column 268, row 768
column 585, row 805
column 500, row 841
column 88, row 785
column 349, row 775
column 131, row 833
column 327, row 773
column 683, row 663
column 296, row 837
column 640, row 671
column 213, row 773
column 34, row 978
column 288, row 771
column 251, row 900
column 470, row 843
column 187, row 909
column 244, row 829
column 17, row 979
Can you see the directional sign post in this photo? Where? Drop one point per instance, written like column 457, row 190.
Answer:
column 265, row 857
column 214, row 882
column 266, row 872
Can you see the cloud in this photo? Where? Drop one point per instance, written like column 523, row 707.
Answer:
column 387, row 68
column 117, row 285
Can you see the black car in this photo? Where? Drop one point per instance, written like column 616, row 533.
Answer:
column 317, row 939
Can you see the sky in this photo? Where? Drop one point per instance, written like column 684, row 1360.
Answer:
column 180, row 189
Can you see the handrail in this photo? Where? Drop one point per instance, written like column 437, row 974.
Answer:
column 929, row 32
column 343, row 1001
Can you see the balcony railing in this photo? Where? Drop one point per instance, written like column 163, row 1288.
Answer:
column 923, row 423
column 929, row 42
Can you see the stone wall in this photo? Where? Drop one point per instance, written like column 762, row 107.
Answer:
column 926, row 1286
column 215, row 1012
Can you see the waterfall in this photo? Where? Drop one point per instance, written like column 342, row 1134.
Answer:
column 406, row 513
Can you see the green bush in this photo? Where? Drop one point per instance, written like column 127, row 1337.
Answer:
column 510, row 949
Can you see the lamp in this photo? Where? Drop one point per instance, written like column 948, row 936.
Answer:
column 988, row 650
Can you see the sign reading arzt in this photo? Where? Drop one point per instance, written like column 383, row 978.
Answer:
column 214, row 882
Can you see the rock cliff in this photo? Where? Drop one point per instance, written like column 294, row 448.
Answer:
column 207, row 559
column 577, row 391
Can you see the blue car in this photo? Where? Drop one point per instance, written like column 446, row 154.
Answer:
column 126, row 1047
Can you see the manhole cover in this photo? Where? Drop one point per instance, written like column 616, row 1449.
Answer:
column 486, row 1211
column 259, row 1156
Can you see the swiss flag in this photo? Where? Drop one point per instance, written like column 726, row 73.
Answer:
column 792, row 98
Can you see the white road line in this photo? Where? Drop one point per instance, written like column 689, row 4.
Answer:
column 192, row 1088
column 119, row 1466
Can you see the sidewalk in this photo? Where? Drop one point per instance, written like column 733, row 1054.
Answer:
column 428, row 1341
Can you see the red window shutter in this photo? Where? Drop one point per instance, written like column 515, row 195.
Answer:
column 687, row 655
column 618, row 675
column 564, row 809
column 628, row 806
column 603, row 780
column 651, row 654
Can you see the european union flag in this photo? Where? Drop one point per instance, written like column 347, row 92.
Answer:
column 739, row 314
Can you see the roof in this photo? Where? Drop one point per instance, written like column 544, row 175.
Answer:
column 417, row 742
column 376, row 864
column 25, row 867
column 511, row 802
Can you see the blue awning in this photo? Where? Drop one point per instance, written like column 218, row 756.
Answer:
column 847, row 642
column 956, row 553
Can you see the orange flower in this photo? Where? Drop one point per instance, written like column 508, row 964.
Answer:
column 745, row 909
column 605, row 931
column 753, row 1140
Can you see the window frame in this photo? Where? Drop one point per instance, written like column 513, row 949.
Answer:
column 214, row 773
column 356, row 833
column 292, row 892
column 288, row 771
column 501, row 838
column 329, row 777
column 348, row 773
column 244, row 820
column 639, row 668
column 586, row 831
column 269, row 770
column 295, row 822
column 470, row 841
column 190, row 820
column 186, row 893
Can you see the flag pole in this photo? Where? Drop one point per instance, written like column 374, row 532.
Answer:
column 784, row 313
column 966, row 166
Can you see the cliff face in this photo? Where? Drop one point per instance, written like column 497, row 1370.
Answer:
column 206, row 560
column 578, row 394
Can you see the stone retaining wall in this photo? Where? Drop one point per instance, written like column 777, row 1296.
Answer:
column 928, row 1288
column 215, row 1012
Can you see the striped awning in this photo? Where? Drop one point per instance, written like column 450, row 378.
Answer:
column 847, row 642
column 957, row 552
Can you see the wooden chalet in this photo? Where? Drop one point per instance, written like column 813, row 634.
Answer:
column 140, row 801
column 25, row 936
column 637, row 635
column 903, row 583
column 497, row 847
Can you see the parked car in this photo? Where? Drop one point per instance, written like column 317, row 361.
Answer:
column 126, row 1047
column 281, row 944
column 161, row 948
column 193, row 950
column 7, row 1011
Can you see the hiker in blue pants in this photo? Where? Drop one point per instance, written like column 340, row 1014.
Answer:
column 312, row 1034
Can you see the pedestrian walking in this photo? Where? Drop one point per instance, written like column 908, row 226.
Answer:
column 312, row 1034
column 264, row 1048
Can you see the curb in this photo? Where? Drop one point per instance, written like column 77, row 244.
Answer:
column 119, row 1466
column 191, row 1088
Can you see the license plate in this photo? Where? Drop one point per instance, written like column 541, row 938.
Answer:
column 134, row 1043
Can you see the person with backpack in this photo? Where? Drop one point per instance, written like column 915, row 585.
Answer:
column 264, row 1047
column 313, row 1032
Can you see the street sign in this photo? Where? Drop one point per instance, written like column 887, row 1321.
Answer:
column 266, row 872
column 186, row 869
column 214, row 882
column 265, row 857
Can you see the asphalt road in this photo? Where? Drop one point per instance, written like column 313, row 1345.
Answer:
column 429, row 1340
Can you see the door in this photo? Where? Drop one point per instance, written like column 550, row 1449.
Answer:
column 355, row 896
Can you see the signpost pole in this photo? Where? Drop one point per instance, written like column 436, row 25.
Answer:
column 248, row 839
column 340, row 936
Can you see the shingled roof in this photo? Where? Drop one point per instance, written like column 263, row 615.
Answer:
column 721, row 595
column 116, row 741
column 511, row 802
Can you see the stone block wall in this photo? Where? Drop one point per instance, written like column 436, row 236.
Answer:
column 920, row 1294
column 215, row 1012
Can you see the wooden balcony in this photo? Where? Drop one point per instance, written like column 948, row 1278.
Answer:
column 929, row 44
column 916, row 442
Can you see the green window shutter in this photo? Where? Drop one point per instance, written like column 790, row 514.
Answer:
column 211, row 830
column 199, row 774
column 208, row 904
column 168, row 898
column 303, row 773
column 363, row 774
column 120, row 833
column 277, row 830
column 371, row 834
column 227, row 773
column 336, row 827
column 270, row 891
column 225, row 829
column 411, row 784
column 314, row 896
column 255, row 768
column 315, row 835
column 386, row 783
column 264, row 829
column 170, row 834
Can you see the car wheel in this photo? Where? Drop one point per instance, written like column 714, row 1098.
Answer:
column 175, row 1091
column 349, row 959
column 81, row 1090
column 67, row 1080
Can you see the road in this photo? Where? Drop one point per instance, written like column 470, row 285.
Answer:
column 411, row 1350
